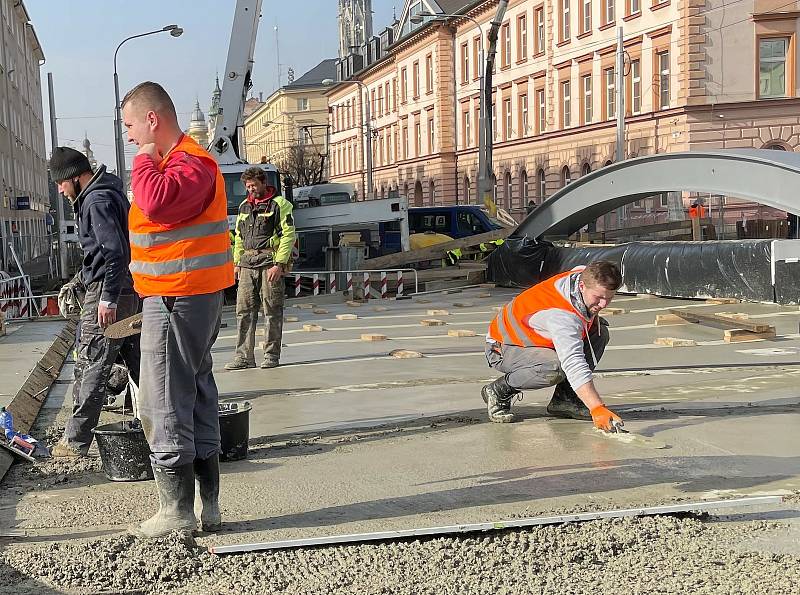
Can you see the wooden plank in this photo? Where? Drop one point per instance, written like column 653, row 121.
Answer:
column 714, row 320
column 738, row 335
column 675, row 342
column 436, row 251
column 669, row 319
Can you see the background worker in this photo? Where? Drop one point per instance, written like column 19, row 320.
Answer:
column 102, row 214
column 181, row 264
column 551, row 334
column 262, row 252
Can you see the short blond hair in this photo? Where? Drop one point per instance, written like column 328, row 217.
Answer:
column 150, row 96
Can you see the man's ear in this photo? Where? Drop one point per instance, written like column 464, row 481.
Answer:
column 152, row 119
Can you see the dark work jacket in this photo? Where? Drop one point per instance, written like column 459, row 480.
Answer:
column 102, row 212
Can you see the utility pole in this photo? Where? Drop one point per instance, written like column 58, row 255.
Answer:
column 62, row 249
column 619, row 91
column 485, row 133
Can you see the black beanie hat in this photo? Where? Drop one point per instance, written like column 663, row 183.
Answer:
column 66, row 163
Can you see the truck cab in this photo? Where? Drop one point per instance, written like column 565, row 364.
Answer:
column 456, row 221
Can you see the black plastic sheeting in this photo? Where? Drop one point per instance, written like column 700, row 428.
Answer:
column 733, row 269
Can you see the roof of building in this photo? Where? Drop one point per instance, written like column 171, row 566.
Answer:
column 314, row 77
column 453, row 6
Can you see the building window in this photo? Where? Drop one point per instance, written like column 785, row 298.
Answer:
column 373, row 103
column 586, row 16
column 494, row 121
column 505, row 53
column 429, row 73
column 476, row 64
column 541, row 185
column 380, row 101
column 636, row 86
column 566, row 177
column 415, row 79
column 564, row 30
column 522, row 37
column 586, row 87
column 585, row 170
column 523, row 115
column 523, row 187
column 467, row 191
column 611, row 112
column 634, row 7
column 507, row 119
column 541, row 113
column 539, row 24
column 431, row 137
column 663, row 80
column 404, row 84
column 464, row 63
column 608, row 12
column 302, row 104
column 478, row 125
column 507, row 190
column 386, row 106
column 772, row 62
column 466, row 129
column 566, row 111
column 418, row 139
column 405, row 142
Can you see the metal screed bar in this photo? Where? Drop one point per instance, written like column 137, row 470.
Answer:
column 497, row 525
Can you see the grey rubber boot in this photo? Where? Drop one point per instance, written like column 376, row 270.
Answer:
column 176, row 503
column 206, row 507
column 565, row 403
column 498, row 396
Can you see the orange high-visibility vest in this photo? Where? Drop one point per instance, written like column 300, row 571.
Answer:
column 189, row 258
column 510, row 326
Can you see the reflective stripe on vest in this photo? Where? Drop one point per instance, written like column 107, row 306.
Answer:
column 509, row 328
column 190, row 258
column 201, row 230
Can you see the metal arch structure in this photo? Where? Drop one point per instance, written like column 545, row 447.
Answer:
column 765, row 176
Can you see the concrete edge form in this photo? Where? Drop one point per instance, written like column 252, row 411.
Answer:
column 497, row 525
column 28, row 401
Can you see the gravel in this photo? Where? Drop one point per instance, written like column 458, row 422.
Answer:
column 647, row 555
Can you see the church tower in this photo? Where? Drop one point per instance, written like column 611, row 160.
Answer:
column 198, row 128
column 355, row 25
column 213, row 111
column 87, row 150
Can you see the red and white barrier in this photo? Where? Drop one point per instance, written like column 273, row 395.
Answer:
column 366, row 286
column 384, row 286
column 297, row 286
column 350, row 283
column 332, row 283
column 399, row 282
column 315, row 286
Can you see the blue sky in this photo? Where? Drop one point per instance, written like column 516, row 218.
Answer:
column 79, row 39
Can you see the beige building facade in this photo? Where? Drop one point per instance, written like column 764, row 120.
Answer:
column 24, row 197
column 295, row 113
column 696, row 77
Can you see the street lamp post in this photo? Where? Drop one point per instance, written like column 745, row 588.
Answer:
column 174, row 31
column 367, row 130
column 417, row 19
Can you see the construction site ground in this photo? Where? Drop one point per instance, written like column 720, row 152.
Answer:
column 345, row 438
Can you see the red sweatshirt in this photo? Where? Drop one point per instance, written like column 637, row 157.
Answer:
column 181, row 192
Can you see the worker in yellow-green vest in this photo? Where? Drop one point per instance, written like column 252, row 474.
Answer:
column 262, row 255
column 453, row 256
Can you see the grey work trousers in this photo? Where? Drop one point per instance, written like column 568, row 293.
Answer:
column 178, row 400
column 539, row 367
column 255, row 292
column 95, row 356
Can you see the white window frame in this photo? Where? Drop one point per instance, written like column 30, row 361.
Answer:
column 636, row 86
column 541, row 100
column 565, row 20
column 610, row 98
column 566, row 104
column 587, row 99
column 524, row 115
column 663, row 79
column 587, row 16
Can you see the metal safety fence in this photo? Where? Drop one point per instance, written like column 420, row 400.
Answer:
column 352, row 281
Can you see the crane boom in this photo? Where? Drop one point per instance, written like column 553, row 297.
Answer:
column 236, row 83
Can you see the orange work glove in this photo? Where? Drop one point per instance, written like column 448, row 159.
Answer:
column 602, row 417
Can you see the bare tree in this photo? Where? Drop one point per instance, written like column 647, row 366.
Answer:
column 304, row 164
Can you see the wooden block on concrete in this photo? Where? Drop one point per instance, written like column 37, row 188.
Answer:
column 665, row 319
column 320, row 311
column 675, row 342
column 432, row 322
column 346, row 316
column 312, row 328
column 460, row 333
column 734, row 315
column 438, row 313
column 462, row 305
column 739, row 335
column 405, row 354
column 354, row 303
column 291, row 319
column 612, row 311
column 380, row 309
column 423, row 301
column 487, row 285
column 721, row 301
column 485, row 294
column 373, row 337
column 449, row 291
column 304, row 306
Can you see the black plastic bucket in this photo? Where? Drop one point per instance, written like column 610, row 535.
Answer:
column 234, row 429
column 124, row 451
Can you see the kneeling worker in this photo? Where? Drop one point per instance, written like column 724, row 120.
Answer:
column 551, row 334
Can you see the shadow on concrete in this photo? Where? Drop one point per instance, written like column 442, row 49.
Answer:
column 15, row 581
column 690, row 475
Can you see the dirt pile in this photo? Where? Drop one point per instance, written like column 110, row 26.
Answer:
column 648, row 555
